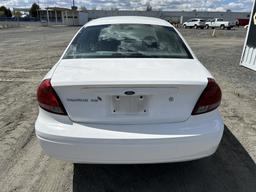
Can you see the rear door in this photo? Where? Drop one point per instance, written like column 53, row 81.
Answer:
column 189, row 23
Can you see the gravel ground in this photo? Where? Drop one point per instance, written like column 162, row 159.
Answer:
column 26, row 54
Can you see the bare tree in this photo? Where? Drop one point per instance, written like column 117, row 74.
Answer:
column 83, row 8
column 149, row 7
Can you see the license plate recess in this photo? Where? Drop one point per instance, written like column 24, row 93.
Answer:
column 129, row 105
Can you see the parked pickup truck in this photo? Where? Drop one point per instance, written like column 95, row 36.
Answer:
column 219, row 23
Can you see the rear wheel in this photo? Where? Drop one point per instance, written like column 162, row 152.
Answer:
column 222, row 27
column 207, row 27
column 196, row 27
column 185, row 26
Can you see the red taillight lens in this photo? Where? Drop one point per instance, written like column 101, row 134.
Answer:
column 48, row 99
column 209, row 100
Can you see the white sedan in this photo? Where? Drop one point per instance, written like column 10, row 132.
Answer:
column 128, row 90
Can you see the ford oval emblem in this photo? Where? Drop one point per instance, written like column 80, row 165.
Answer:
column 129, row 92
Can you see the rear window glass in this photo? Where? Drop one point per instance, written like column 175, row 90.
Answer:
column 127, row 41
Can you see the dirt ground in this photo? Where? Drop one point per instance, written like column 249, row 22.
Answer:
column 26, row 54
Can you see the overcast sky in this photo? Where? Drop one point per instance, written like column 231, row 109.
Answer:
column 201, row 5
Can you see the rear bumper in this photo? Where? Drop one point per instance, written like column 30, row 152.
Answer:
column 127, row 144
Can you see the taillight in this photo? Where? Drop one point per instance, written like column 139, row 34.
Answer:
column 209, row 100
column 48, row 99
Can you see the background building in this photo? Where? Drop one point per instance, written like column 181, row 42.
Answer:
column 173, row 16
column 74, row 17
column 59, row 15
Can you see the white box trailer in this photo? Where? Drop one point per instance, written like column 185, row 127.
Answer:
column 82, row 18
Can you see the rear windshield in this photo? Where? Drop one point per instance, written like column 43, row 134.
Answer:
column 127, row 41
column 202, row 20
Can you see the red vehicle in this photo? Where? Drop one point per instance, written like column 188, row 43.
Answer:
column 243, row 22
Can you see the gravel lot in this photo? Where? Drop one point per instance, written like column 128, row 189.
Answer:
column 26, row 54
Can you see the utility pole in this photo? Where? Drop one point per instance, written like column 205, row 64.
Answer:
column 73, row 7
column 38, row 16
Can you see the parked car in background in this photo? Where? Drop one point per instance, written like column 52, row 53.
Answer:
column 219, row 23
column 129, row 90
column 194, row 23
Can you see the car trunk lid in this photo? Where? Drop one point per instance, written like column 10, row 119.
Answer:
column 129, row 91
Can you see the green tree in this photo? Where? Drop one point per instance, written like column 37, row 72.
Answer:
column 148, row 6
column 83, row 8
column 33, row 12
column 9, row 13
column 3, row 11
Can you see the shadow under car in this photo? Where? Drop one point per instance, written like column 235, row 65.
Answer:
column 229, row 169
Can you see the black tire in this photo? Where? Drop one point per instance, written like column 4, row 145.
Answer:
column 185, row 26
column 222, row 27
column 207, row 27
column 196, row 27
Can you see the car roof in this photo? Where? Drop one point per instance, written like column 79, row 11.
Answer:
column 128, row 20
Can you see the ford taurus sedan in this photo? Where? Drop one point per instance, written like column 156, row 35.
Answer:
column 128, row 90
